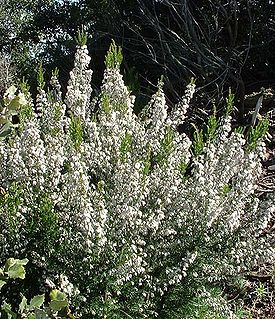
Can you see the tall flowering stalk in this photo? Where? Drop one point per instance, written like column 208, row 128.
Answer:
column 123, row 205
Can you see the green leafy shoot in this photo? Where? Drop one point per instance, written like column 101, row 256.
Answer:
column 114, row 56
column 239, row 130
column 166, row 145
column 257, row 133
column 40, row 77
column 161, row 82
column 193, row 80
column 212, row 125
column 105, row 104
column 183, row 168
column 26, row 113
column 44, row 220
column 94, row 117
column 100, row 186
column 76, row 131
column 24, row 86
column 125, row 146
column 81, row 37
column 261, row 291
column 55, row 72
column 198, row 143
column 226, row 189
column 107, row 107
column 121, row 107
column 229, row 102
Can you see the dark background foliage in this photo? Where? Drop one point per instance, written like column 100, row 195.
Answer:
column 221, row 43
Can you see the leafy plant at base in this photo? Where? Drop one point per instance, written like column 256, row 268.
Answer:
column 57, row 308
column 13, row 269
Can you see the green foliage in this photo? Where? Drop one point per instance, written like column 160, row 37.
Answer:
column 107, row 106
column 166, row 146
column 193, row 80
column 6, row 312
column 242, row 313
column 181, row 304
column 24, row 86
column 198, row 143
column 240, row 130
column 81, row 37
column 257, row 133
column 76, row 131
column 26, row 113
column 43, row 222
column 201, row 308
column 183, row 168
column 5, row 131
column 226, row 189
column 212, row 125
column 9, row 201
column 125, row 146
column 229, row 102
column 58, row 300
column 57, row 113
column 26, row 110
column 35, row 303
column 55, row 72
column 114, row 56
column 121, row 107
column 261, row 291
column 13, row 269
column 58, row 306
column 40, row 77
column 105, row 103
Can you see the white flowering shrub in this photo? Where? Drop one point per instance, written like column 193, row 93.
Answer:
column 130, row 218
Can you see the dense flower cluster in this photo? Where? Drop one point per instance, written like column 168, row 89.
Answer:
column 104, row 197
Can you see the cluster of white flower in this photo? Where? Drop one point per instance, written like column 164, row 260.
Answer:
column 79, row 89
column 118, row 184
